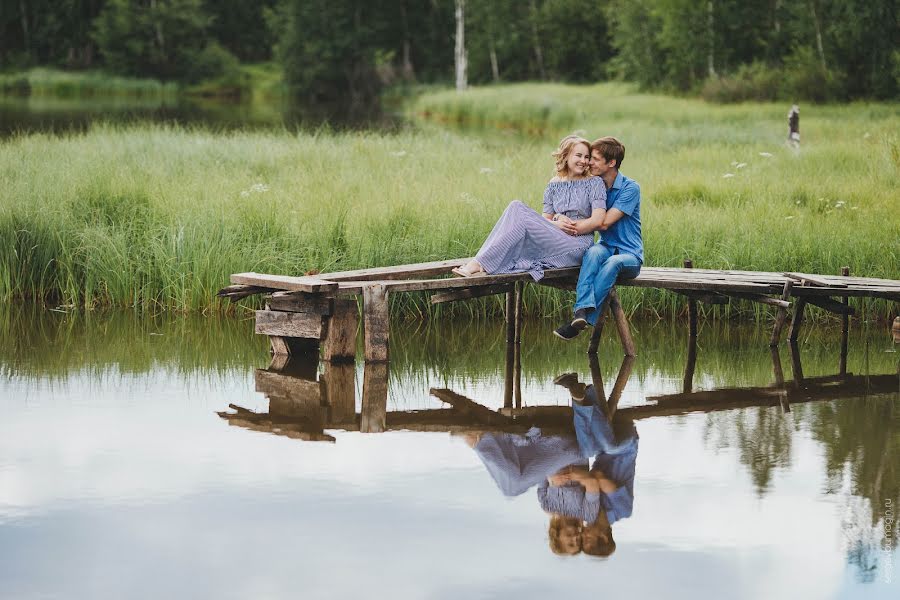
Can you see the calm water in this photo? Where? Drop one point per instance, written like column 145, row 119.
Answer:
column 60, row 115
column 118, row 477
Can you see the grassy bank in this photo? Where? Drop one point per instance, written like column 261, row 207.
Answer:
column 43, row 82
column 159, row 217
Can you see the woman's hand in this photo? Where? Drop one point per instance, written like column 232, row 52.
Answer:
column 566, row 224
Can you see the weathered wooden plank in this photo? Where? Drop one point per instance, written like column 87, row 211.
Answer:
column 761, row 299
column 376, row 323
column 288, row 324
column 306, row 283
column 805, row 278
column 288, row 386
column 239, row 292
column 840, row 308
column 426, row 269
column 340, row 335
column 469, row 293
column 301, row 302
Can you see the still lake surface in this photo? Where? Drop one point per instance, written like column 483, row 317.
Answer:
column 39, row 114
column 119, row 477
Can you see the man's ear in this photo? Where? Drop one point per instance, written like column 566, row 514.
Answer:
column 616, row 165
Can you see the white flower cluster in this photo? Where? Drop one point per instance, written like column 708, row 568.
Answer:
column 256, row 188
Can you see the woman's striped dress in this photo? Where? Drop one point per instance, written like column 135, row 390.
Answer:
column 524, row 241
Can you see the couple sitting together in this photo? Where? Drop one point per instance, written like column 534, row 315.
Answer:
column 587, row 194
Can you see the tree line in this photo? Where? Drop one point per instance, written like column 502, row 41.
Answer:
column 334, row 49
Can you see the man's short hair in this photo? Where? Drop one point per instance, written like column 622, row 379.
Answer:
column 610, row 149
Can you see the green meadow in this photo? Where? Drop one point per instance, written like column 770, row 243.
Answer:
column 157, row 217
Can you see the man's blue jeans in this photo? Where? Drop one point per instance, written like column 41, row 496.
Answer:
column 599, row 270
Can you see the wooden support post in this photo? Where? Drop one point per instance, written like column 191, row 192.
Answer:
column 596, row 376
column 511, row 316
column 796, row 366
column 340, row 335
column 688, row 382
column 374, row 400
column 781, row 314
column 520, row 288
column 293, row 347
column 776, row 367
column 692, row 304
column 845, row 328
column 376, row 322
column 621, row 323
column 598, row 327
column 797, row 321
column 340, row 392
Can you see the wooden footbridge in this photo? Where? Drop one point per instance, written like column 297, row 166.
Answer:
column 306, row 310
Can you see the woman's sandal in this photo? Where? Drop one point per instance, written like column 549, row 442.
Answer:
column 461, row 272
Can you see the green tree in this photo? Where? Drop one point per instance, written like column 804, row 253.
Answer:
column 166, row 39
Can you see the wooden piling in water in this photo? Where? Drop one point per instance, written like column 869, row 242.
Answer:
column 375, row 322
column 692, row 305
column 845, row 327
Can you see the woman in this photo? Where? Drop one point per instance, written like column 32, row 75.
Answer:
column 574, row 207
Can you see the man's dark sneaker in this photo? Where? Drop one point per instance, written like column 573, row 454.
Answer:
column 567, row 332
column 579, row 321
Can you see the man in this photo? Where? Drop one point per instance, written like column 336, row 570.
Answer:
column 620, row 251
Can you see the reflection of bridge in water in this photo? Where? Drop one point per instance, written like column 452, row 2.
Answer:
column 303, row 403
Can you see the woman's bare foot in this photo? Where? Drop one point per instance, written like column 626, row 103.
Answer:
column 473, row 267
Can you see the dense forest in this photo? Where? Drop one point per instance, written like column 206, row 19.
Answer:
column 723, row 49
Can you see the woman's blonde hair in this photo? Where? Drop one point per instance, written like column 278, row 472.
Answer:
column 557, row 523
column 565, row 148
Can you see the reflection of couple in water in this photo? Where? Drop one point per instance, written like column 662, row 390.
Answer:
column 582, row 499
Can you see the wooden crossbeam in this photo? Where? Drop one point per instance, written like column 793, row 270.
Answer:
column 468, row 293
column 761, row 299
column 831, row 305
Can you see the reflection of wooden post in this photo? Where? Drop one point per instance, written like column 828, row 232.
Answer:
column 598, row 327
column 776, row 367
column 619, row 385
column 340, row 337
column 376, row 322
column 508, row 383
column 692, row 305
column 845, row 328
column 517, row 373
column 781, row 314
column 621, row 323
column 688, row 382
column 374, row 400
column 340, row 392
column 797, row 321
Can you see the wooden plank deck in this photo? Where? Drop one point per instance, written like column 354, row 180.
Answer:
column 309, row 295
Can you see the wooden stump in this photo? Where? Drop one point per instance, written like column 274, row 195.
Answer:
column 376, row 322
column 340, row 336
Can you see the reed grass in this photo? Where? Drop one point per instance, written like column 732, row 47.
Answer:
column 42, row 82
column 158, row 216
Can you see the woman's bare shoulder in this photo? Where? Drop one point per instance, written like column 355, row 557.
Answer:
column 555, row 179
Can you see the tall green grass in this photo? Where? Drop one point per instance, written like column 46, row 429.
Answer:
column 159, row 216
column 62, row 84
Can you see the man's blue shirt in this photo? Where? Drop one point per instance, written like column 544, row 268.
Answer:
column 625, row 234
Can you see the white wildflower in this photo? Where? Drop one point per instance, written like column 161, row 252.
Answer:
column 839, row 204
column 740, row 165
column 486, row 170
column 399, row 153
column 789, row 218
column 727, row 175
column 867, row 135
column 244, row 194
column 734, row 163
column 766, row 154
